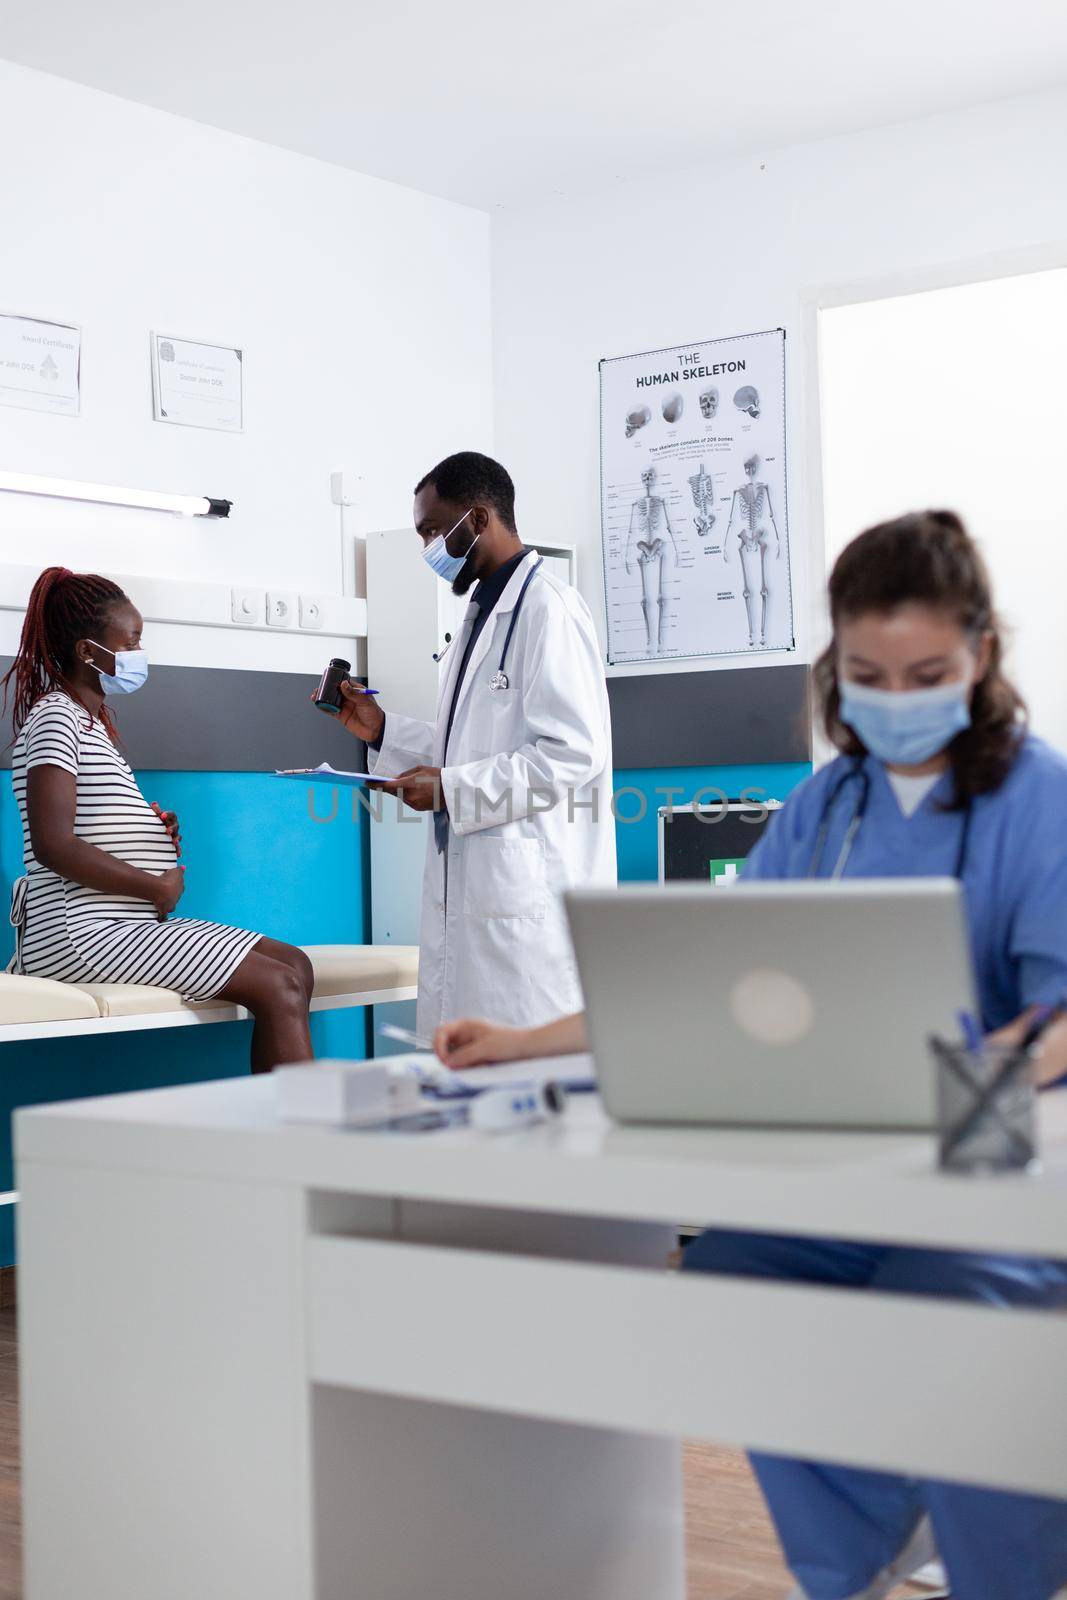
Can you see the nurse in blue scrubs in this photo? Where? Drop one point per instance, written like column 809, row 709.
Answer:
column 936, row 775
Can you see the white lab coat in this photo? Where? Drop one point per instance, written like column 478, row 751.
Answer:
column 494, row 940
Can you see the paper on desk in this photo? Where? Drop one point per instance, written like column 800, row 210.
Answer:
column 324, row 773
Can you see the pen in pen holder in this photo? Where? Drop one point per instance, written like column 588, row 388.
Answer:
column 987, row 1104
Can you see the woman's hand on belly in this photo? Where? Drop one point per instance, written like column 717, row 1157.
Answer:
column 169, row 819
column 170, row 886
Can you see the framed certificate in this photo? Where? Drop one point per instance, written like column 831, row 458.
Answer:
column 40, row 365
column 197, row 385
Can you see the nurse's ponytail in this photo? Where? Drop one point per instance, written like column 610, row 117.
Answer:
column 929, row 558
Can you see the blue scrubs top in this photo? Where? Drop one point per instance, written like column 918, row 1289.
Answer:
column 1014, row 876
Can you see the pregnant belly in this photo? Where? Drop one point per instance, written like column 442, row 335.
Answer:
column 147, row 846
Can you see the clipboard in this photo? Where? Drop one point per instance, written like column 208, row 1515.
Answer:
column 324, row 773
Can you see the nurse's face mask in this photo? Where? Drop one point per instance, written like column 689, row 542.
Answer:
column 906, row 682
column 907, row 727
column 131, row 669
column 436, row 554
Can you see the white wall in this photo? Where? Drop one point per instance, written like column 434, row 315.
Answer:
column 739, row 247
column 956, row 397
column 362, row 308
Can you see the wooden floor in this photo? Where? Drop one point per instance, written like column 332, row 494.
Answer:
column 731, row 1549
column 10, row 1500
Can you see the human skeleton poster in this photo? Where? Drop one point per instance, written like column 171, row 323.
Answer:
column 694, row 510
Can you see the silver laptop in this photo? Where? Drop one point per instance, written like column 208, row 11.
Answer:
column 796, row 1004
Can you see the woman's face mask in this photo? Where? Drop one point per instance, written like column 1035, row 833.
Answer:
column 131, row 670
column 906, row 728
column 906, row 681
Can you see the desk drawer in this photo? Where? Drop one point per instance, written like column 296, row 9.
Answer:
column 891, row 1381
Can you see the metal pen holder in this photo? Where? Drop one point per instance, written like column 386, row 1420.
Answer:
column 987, row 1108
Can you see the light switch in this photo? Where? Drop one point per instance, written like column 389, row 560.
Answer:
column 247, row 606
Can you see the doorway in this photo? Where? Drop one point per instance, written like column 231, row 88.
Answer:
column 955, row 398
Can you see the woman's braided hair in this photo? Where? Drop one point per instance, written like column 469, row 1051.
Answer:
column 63, row 607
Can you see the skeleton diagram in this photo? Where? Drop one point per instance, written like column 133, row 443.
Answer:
column 703, row 492
column 751, row 519
column 650, row 546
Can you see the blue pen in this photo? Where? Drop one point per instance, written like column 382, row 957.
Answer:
column 972, row 1033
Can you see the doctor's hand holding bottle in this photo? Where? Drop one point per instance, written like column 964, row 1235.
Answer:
column 418, row 787
column 360, row 713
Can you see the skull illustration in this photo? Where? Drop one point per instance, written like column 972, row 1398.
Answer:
column 752, row 465
column 672, row 407
column 637, row 419
column 747, row 399
column 709, row 404
column 648, row 478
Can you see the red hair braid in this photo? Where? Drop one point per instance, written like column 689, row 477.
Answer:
column 63, row 607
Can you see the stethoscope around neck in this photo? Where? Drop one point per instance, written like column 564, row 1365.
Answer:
column 857, row 770
column 500, row 680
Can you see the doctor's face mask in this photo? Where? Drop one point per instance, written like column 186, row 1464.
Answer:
column 437, row 557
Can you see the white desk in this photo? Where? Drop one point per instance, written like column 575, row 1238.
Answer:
column 264, row 1362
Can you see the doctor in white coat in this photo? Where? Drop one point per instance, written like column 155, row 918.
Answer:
column 516, row 769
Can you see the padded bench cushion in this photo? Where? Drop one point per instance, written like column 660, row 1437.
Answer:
column 361, row 968
column 340, row 969
column 131, row 999
column 42, row 1000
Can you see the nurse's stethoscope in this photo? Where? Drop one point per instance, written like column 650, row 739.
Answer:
column 858, row 771
column 500, row 680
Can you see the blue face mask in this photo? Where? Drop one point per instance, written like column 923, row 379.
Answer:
column 131, row 670
column 436, row 554
column 906, row 728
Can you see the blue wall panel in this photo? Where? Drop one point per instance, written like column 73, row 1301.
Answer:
column 638, row 839
column 253, row 855
column 255, row 858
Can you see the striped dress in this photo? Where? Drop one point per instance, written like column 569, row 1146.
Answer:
column 81, row 935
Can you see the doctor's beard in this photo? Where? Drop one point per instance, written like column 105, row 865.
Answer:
column 465, row 579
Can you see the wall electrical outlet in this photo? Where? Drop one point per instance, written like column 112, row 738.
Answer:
column 281, row 608
column 247, row 606
column 310, row 612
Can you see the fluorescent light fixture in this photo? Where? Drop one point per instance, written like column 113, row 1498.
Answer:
column 186, row 505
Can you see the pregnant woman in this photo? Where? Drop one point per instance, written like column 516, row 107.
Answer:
column 101, row 864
